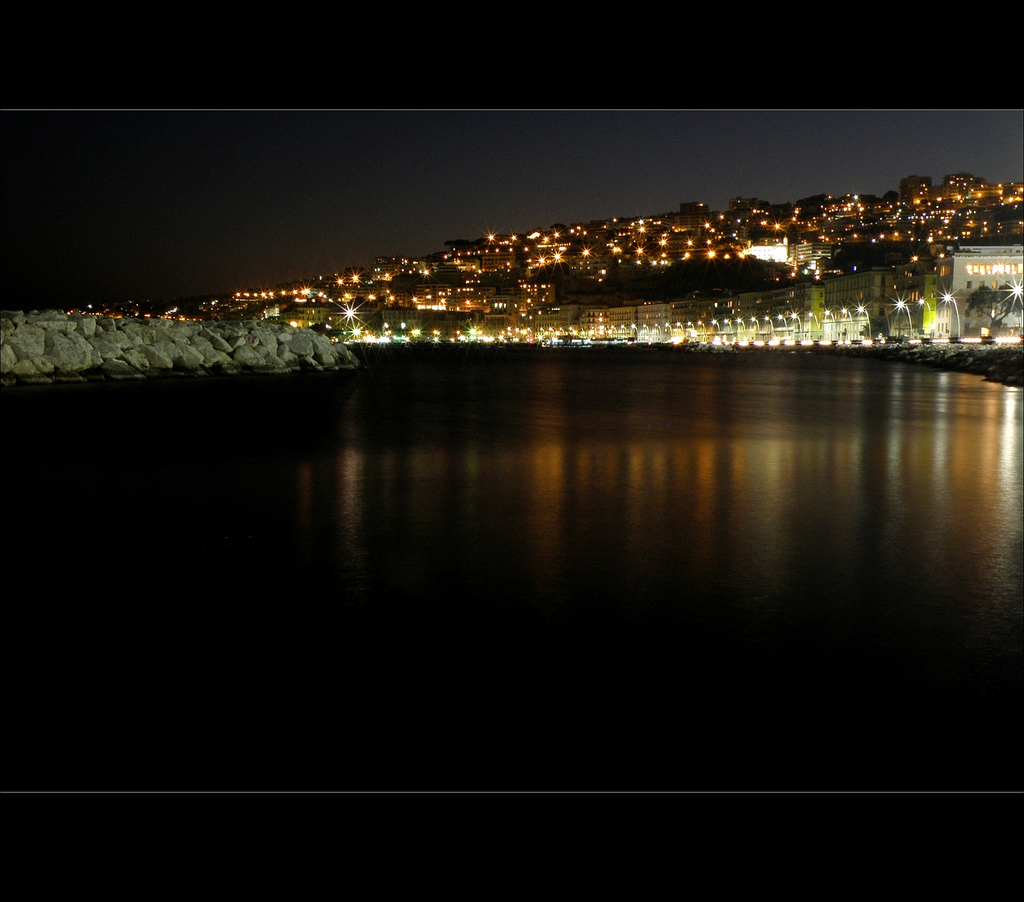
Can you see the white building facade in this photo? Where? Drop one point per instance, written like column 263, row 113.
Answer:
column 971, row 268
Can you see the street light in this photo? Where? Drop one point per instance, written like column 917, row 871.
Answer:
column 863, row 311
column 902, row 305
column 844, row 312
column 781, row 318
column 931, row 317
column 829, row 314
column 1016, row 290
column 947, row 299
column 809, row 313
column 349, row 311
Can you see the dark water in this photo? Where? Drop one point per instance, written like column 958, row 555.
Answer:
column 585, row 569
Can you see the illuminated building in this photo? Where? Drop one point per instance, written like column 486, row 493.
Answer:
column 654, row 322
column 497, row 260
column 557, row 320
column 621, row 321
column 964, row 272
column 961, row 188
column 808, row 256
column 915, row 190
column 303, row 316
column 773, row 253
column 691, row 217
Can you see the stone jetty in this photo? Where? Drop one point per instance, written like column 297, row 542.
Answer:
column 51, row 346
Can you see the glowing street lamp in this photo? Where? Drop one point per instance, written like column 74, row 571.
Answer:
column 830, row 315
column 947, row 299
column 818, row 324
column 863, row 311
column 1016, row 290
column 902, row 305
column 844, row 312
column 926, row 320
column 350, row 312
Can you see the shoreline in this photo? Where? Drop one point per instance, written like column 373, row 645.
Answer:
column 995, row 362
column 53, row 348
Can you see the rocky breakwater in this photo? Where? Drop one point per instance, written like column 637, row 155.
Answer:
column 995, row 362
column 48, row 346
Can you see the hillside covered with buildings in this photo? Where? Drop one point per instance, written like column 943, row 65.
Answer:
column 909, row 263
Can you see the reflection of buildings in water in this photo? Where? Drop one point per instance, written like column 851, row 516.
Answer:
column 1008, row 484
column 896, row 479
column 697, row 486
column 328, row 523
column 990, row 486
column 940, row 491
column 346, row 520
column 545, row 526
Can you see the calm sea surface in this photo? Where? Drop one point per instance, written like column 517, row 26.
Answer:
column 512, row 569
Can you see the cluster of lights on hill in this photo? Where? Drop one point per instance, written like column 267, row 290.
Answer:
column 658, row 241
column 964, row 208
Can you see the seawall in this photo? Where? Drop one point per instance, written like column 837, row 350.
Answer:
column 48, row 346
column 995, row 362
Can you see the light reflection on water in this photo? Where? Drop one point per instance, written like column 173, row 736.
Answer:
column 679, row 473
column 563, row 559
column 856, row 522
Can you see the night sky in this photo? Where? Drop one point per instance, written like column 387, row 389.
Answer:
column 114, row 205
